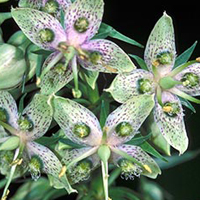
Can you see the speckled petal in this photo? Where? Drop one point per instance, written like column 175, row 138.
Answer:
column 53, row 81
column 33, row 21
column 92, row 10
column 8, row 103
column 68, row 113
column 125, row 86
column 193, row 91
column 172, row 128
column 113, row 58
column 40, row 114
column 134, row 111
column 161, row 40
column 142, row 157
column 51, row 164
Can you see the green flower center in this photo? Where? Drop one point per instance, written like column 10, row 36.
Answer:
column 144, row 86
column 171, row 109
column 46, row 35
column 60, row 68
column 81, row 130
column 25, row 124
column 51, row 7
column 124, row 129
column 35, row 166
column 95, row 56
column 3, row 115
column 165, row 58
column 190, row 80
column 81, row 25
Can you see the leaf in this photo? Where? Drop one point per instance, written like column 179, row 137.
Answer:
column 187, row 104
column 139, row 140
column 4, row 16
column 47, row 141
column 21, row 103
column 106, row 30
column 140, row 61
column 184, row 57
column 149, row 149
column 42, row 52
column 104, row 112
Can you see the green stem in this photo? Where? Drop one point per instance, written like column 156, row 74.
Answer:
column 75, row 72
column 8, row 127
column 104, row 167
column 181, row 68
column 155, row 71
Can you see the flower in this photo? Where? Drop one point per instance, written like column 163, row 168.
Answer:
column 23, row 129
column 164, row 82
column 73, row 40
column 108, row 144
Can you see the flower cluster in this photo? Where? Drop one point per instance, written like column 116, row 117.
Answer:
column 67, row 32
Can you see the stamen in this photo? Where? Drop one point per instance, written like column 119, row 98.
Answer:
column 62, row 171
column 171, row 109
column 190, row 80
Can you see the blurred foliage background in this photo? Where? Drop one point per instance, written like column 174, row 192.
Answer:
column 136, row 20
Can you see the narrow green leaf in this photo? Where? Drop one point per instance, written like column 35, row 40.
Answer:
column 21, row 103
column 140, row 61
column 62, row 18
column 185, row 56
column 105, row 107
column 139, row 139
column 42, row 52
column 187, row 104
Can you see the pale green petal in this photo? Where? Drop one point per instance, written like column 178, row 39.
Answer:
column 68, row 113
column 134, row 112
column 125, row 86
column 161, row 40
column 39, row 112
column 172, row 127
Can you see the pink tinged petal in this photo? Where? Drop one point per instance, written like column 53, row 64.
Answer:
column 172, row 127
column 150, row 167
column 112, row 58
column 32, row 22
column 134, row 112
column 92, row 11
column 125, row 86
column 55, row 78
column 39, row 112
column 8, row 103
column 194, row 90
column 69, row 114
column 161, row 40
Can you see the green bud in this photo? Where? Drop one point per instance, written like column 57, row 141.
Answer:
column 124, row 129
column 3, row 115
column 190, row 80
column 12, row 66
column 46, row 35
column 144, row 86
column 25, row 124
column 95, row 56
column 81, row 25
column 10, row 144
column 35, row 167
column 81, row 130
column 104, row 153
column 165, row 58
column 51, row 7
column 171, row 109
column 76, row 93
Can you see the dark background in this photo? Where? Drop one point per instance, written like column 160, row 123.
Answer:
column 136, row 20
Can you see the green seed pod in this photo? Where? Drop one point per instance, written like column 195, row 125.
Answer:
column 190, row 80
column 124, row 129
column 144, row 86
column 10, row 144
column 81, row 130
column 46, row 35
column 12, row 66
column 165, row 58
column 25, row 124
column 171, row 109
column 35, row 166
column 81, row 25
column 51, row 7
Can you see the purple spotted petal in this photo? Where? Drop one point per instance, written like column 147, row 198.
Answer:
column 195, row 90
column 68, row 113
column 112, row 58
column 92, row 10
column 125, row 86
column 134, row 111
column 7, row 102
column 40, row 114
column 172, row 127
column 31, row 22
column 161, row 40
column 142, row 157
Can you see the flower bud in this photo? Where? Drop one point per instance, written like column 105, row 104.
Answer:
column 12, row 66
column 81, row 130
column 171, row 109
column 124, row 129
column 81, row 25
column 190, row 80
